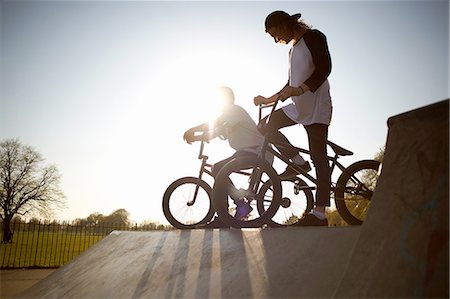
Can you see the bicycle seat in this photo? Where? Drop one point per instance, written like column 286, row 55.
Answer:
column 339, row 150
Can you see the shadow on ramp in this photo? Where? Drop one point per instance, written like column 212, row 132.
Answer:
column 228, row 263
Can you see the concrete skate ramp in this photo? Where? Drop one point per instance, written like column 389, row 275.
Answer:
column 227, row 263
column 403, row 247
column 401, row 250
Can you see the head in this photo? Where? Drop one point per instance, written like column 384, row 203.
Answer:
column 282, row 26
column 225, row 97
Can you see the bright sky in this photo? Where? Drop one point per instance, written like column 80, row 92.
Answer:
column 105, row 90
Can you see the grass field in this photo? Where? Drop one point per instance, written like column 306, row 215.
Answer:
column 53, row 244
column 44, row 249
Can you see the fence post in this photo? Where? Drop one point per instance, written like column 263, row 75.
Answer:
column 37, row 242
column 22, row 229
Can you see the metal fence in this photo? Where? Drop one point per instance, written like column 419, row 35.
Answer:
column 40, row 244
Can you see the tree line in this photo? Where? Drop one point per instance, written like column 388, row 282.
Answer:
column 119, row 219
column 29, row 187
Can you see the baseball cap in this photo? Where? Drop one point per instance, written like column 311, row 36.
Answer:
column 279, row 17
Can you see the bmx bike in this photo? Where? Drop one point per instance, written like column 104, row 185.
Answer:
column 278, row 202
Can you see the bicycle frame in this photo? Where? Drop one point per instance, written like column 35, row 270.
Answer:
column 334, row 163
column 205, row 168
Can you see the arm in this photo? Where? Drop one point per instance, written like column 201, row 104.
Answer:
column 204, row 131
column 266, row 101
column 191, row 136
column 316, row 42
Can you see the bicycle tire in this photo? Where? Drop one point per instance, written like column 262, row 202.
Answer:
column 238, row 171
column 175, row 203
column 354, row 190
column 297, row 199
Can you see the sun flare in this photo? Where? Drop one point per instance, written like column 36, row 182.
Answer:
column 183, row 94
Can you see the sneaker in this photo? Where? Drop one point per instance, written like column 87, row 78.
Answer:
column 243, row 208
column 311, row 220
column 290, row 172
column 215, row 223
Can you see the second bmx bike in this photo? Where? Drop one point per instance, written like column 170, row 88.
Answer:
column 278, row 202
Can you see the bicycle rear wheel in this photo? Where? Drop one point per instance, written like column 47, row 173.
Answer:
column 354, row 190
column 297, row 199
column 243, row 179
column 187, row 203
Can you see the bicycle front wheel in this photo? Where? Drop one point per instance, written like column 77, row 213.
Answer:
column 297, row 199
column 240, row 181
column 354, row 190
column 187, row 203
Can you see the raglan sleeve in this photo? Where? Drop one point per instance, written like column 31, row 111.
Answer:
column 317, row 44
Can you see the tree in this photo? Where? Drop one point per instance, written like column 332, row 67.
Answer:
column 94, row 219
column 119, row 217
column 379, row 156
column 26, row 185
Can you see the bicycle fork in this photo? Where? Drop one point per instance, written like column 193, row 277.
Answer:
column 200, row 175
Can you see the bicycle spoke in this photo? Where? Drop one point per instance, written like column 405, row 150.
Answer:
column 296, row 200
column 187, row 203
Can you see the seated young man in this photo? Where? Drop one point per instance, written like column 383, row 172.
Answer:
column 236, row 125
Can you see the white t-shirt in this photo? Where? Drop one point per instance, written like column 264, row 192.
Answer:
column 241, row 130
column 312, row 107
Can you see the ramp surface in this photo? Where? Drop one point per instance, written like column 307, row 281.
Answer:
column 401, row 250
column 403, row 247
column 283, row 263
